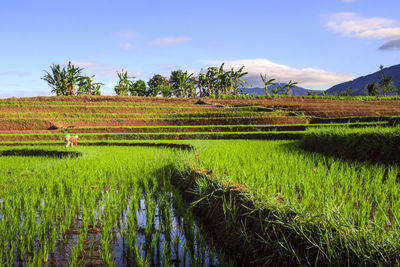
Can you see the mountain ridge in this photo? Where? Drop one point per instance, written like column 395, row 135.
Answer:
column 357, row 86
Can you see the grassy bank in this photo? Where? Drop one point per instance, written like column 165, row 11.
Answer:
column 379, row 144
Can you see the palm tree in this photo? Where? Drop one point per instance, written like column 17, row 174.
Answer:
column 266, row 83
column 290, row 85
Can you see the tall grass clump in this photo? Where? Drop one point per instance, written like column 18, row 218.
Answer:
column 379, row 144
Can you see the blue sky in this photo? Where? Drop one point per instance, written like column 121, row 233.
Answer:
column 316, row 43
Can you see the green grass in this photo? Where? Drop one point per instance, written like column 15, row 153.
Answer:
column 348, row 210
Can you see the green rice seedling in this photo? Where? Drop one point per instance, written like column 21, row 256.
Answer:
column 50, row 204
column 349, row 205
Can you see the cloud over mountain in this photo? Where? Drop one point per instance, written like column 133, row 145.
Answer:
column 307, row 77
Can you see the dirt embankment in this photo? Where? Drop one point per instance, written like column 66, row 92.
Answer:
column 296, row 110
column 38, row 124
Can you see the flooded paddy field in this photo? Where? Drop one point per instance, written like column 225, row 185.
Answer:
column 97, row 206
column 196, row 203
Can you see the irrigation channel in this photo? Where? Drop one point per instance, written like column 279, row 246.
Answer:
column 97, row 206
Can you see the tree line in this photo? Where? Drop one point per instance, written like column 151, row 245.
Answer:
column 212, row 82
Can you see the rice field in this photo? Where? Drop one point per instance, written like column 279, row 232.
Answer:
column 97, row 205
column 149, row 185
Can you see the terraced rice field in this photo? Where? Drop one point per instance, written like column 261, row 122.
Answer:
column 139, row 189
column 135, row 118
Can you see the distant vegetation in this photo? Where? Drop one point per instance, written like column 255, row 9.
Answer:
column 69, row 81
column 212, row 82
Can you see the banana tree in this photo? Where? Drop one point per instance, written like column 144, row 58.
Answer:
column 276, row 89
column 201, row 84
column 211, row 79
column 290, row 85
column 86, row 86
column 185, row 83
column 238, row 81
column 266, row 82
column 223, row 80
column 124, row 84
column 73, row 77
column 56, row 80
column 63, row 80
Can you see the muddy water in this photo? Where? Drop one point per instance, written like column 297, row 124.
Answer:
column 188, row 245
column 176, row 237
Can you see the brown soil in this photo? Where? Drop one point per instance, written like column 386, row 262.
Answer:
column 38, row 124
column 297, row 110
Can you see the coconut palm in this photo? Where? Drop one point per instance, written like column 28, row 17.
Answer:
column 267, row 82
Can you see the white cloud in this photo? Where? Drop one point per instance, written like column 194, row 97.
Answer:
column 307, row 77
column 103, row 69
column 353, row 25
column 127, row 34
column 169, row 41
column 127, row 46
